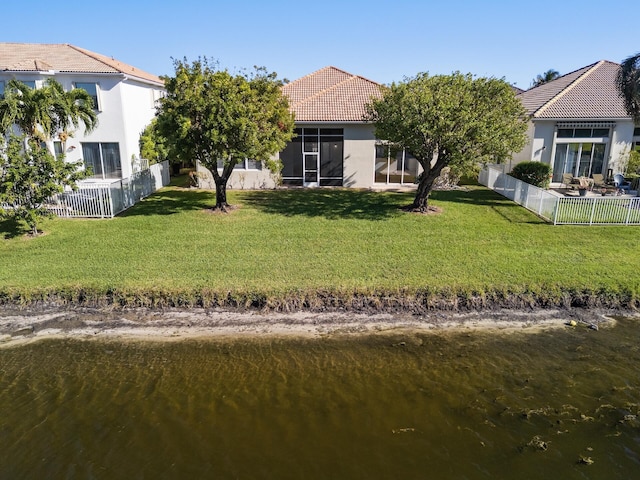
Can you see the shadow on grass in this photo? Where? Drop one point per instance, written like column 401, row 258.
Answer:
column 508, row 210
column 172, row 200
column 329, row 203
column 322, row 202
column 11, row 228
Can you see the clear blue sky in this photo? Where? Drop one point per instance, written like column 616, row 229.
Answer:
column 381, row 40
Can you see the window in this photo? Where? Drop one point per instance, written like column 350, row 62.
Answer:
column 246, row 164
column 314, row 157
column 1, row 90
column 102, row 159
column 394, row 165
column 156, row 95
column 29, row 83
column 57, row 149
column 583, row 132
column 91, row 89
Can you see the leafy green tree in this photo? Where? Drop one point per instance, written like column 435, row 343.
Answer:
column 29, row 173
column 152, row 144
column 29, row 177
column 546, row 77
column 44, row 112
column 628, row 83
column 449, row 120
column 210, row 115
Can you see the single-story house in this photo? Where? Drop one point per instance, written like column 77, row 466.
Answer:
column 578, row 123
column 124, row 98
column 333, row 146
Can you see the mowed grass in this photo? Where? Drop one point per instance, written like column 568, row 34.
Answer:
column 323, row 239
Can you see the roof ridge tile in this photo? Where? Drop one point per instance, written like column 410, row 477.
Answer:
column 591, row 68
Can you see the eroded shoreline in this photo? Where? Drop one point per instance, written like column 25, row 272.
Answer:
column 25, row 326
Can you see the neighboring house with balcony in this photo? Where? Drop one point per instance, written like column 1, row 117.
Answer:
column 124, row 98
column 333, row 146
column 578, row 123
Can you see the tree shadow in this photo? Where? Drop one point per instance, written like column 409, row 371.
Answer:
column 171, row 200
column 12, row 228
column 328, row 203
column 507, row 209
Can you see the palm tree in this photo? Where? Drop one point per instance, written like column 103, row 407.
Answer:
column 546, row 77
column 628, row 83
column 45, row 112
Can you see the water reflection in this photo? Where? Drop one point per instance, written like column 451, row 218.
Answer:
column 554, row 404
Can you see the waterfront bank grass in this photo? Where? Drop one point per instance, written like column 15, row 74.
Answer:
column 304, row 246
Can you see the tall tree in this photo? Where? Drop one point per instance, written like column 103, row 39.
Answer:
column 29, row 173
column 628, row 83
column 210, row 115
column 152, row 144
column 449, row 120
column 42, row 113
column 546, row 77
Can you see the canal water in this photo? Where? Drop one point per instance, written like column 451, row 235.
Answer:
column 559, row 403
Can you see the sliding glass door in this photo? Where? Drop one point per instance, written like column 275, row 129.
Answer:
column 578, row 159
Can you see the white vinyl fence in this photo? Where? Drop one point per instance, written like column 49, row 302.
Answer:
column 107, row 199
column 559, row 209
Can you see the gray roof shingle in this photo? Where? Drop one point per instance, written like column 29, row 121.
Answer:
column 587, row 93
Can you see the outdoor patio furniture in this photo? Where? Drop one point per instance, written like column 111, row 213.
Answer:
column 567, row 180
column 585, row 183
column 621, row 184
column 598, row 180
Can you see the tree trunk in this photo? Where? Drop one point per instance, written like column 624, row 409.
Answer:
column 421, row 200
column 427, row 179
column 221, row 194
column 221, row 183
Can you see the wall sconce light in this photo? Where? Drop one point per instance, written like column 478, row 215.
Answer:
column 71, row 148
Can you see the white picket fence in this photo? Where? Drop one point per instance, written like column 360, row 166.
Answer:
column 558, row 209
column 107, row 199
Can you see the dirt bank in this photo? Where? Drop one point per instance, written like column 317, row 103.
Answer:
column 20, row 326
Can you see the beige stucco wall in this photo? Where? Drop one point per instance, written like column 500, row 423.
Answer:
column 359, row 156
column 539, row 145
column 239, row 180
column 358, row 166
column 525, row 154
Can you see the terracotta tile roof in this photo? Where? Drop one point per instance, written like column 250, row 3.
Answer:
column 64, row 58
column 330, row 95
column 587, row 93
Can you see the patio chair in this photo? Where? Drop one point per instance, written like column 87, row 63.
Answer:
column 621, row 184
column 598, row 180
column 567, row 180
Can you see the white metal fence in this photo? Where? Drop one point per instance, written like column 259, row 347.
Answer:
column 558, row 209
column 107, row 199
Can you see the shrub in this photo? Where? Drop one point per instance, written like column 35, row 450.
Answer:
column 533, row 173
column 633, row 165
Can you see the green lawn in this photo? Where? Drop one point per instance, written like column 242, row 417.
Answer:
column 284, row 242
